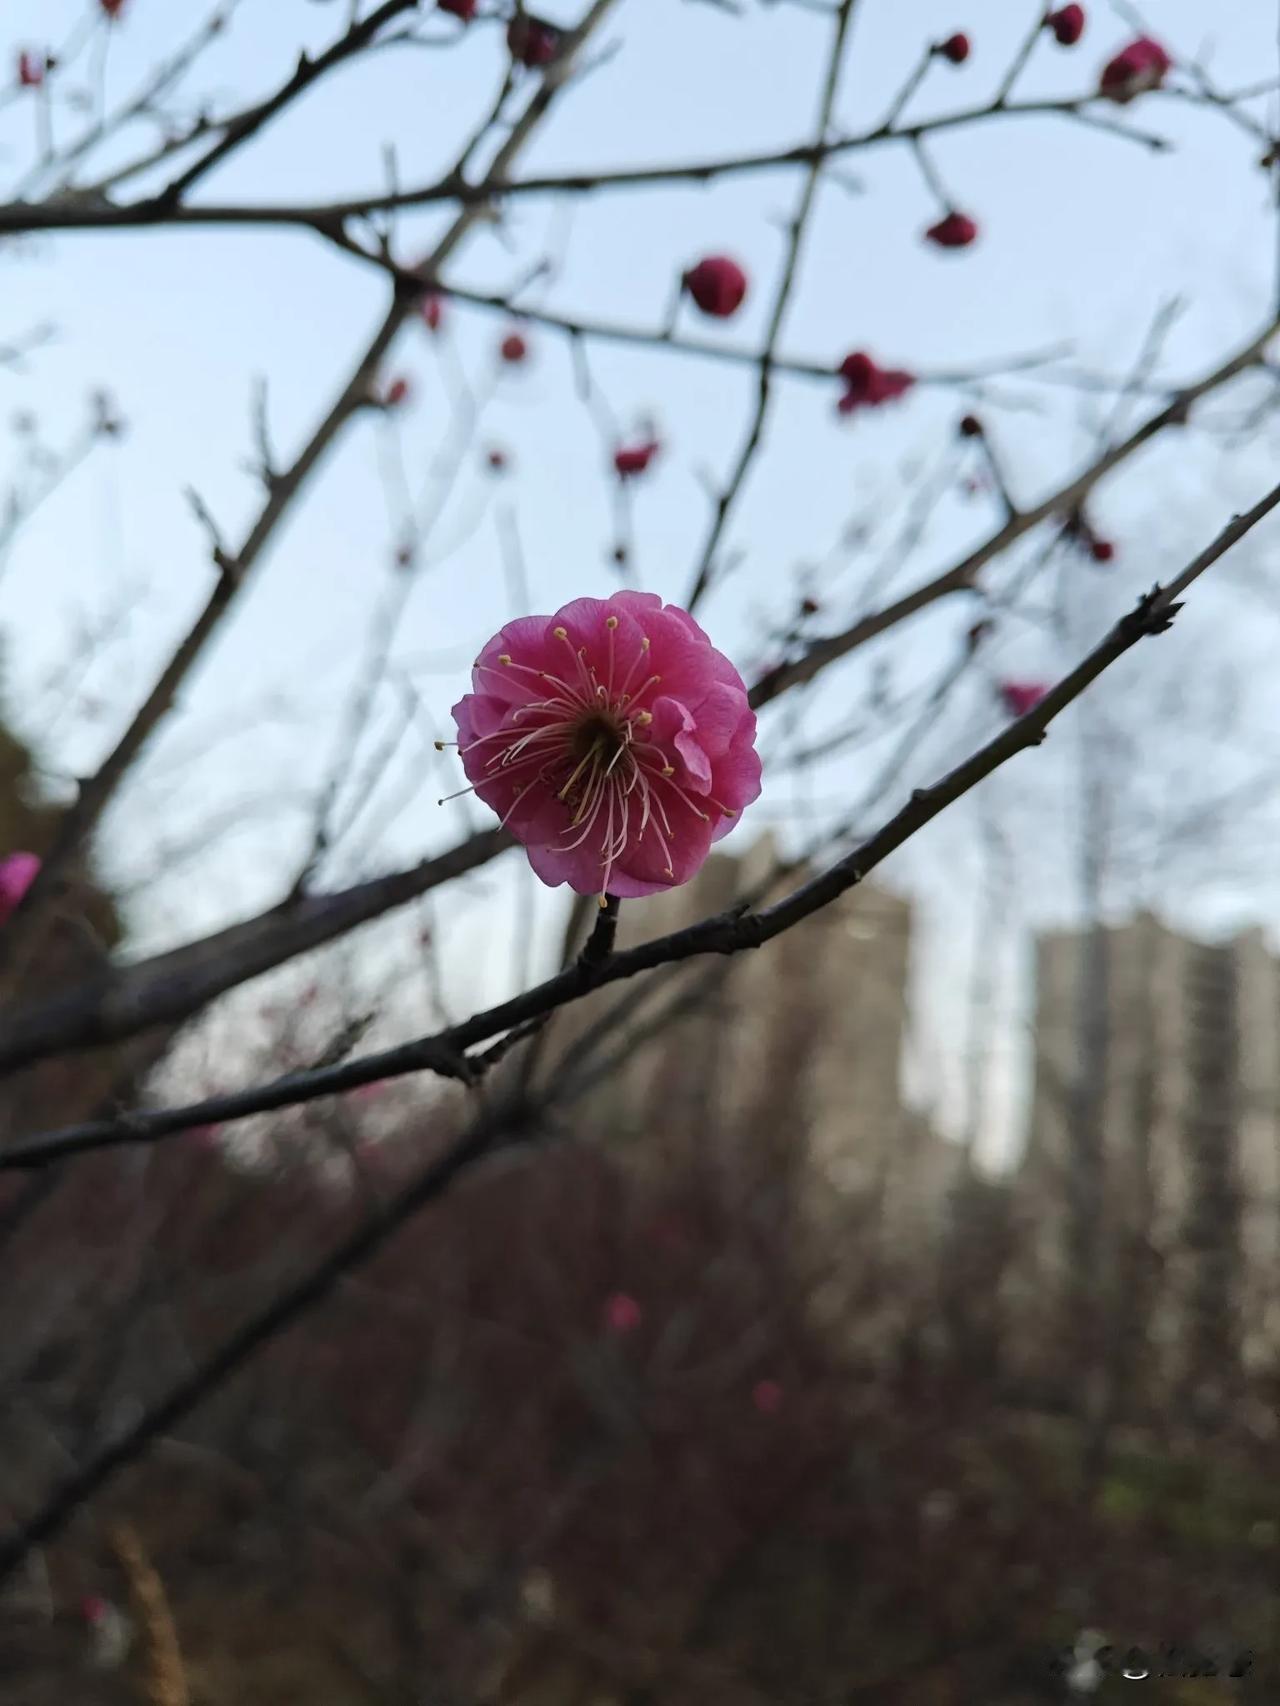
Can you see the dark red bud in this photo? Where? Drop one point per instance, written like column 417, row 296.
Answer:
column 956, row 231
column 718, row 285
column 532, row 41
column 1067, row 24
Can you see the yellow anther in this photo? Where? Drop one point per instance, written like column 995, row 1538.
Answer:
column 504, row 657
column 560, row 633
column 611, row 622
column 668, row 769
column 439, row 746
column 644, row 644
column 645, row 718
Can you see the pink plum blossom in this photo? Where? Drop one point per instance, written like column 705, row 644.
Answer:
column 17, row 873
column 613, row 740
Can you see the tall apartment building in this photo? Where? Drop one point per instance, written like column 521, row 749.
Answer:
column 1148, row 1198
column 785, row 1072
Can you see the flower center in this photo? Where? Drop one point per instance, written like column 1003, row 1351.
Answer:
column 596, row 734
column 594, row 749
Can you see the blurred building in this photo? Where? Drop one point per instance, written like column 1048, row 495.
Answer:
column 1148, row 1199
column 784, row 1069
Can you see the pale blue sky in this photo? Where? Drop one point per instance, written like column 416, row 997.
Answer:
column 1084, row 237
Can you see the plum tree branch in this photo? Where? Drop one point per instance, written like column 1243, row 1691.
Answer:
column 731, row 932
column 97, row 792
column 177, row 984
column 515, row 1118
column 91, row 212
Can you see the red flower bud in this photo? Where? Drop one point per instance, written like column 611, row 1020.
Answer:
column 809, row 607
column 1019, row 697
column 497, row 460
column 397, row 393
column 634, row 460
column 867, row 384
column 31, row 69
column 1067, row 24
column 532, row 41
column 955, row 48
column 432, row 310
column 718, row 285
column 956, row 231
column 622, row 1314
column 1102, row 550
column 970, row 426
column 464, row 9
column 1140, row 67
column 513, row 348
column 766, row 1395
column 112, row 8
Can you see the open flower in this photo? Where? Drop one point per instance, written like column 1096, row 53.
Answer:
column 1138, row 68
column 1019, row 697
column 867, row 384
column 613, row 740
column 17, row 873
